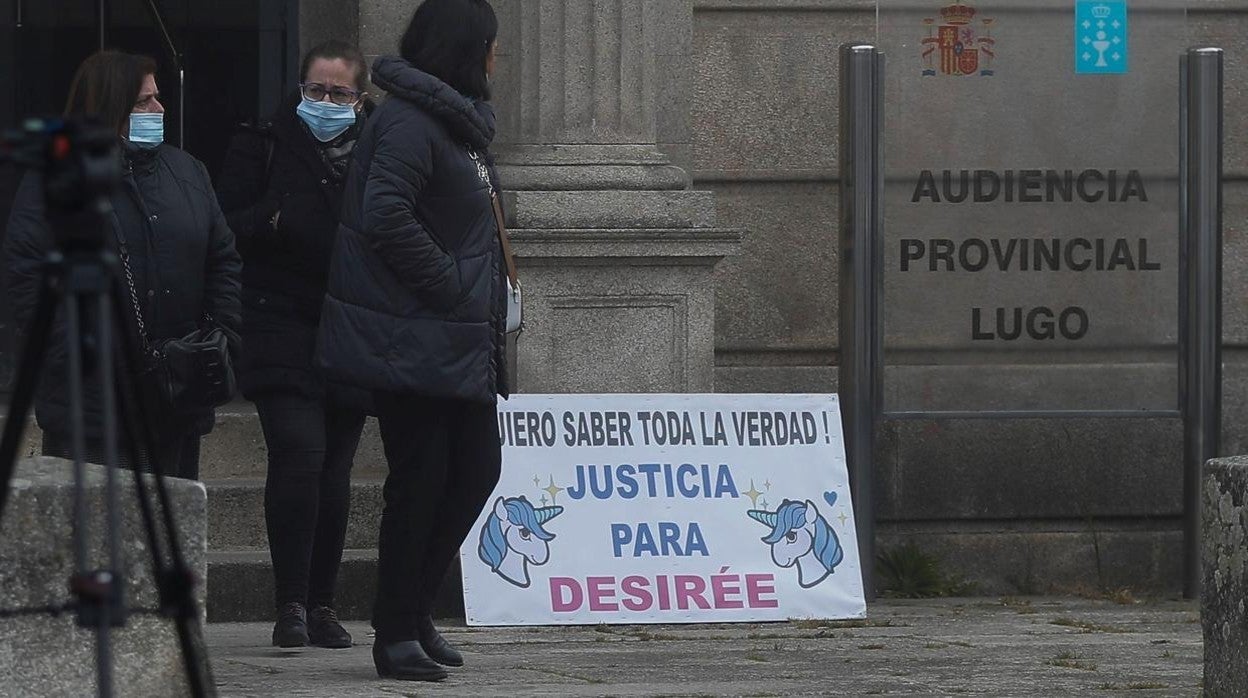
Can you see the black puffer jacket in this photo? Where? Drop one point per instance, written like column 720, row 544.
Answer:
column 416, row 288
column 182, row 254
column 278, row 167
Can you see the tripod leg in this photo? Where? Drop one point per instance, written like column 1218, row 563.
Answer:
column 112, row 613
column 92, row 605
column 111, row 455
column 29, row 369
column 176, row 583
column 77, row 429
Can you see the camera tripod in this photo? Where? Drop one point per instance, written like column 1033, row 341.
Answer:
column 80, row 275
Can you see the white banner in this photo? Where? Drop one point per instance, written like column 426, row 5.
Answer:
column 666, row 509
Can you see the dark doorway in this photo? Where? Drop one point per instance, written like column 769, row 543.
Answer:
column 238, row 58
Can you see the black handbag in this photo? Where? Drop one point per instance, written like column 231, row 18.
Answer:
column 186, row 375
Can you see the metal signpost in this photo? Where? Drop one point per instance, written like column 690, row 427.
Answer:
column 860, row 290
column 1200, row 304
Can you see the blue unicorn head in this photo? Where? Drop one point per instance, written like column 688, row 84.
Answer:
column 800, row 536
column 514, row 536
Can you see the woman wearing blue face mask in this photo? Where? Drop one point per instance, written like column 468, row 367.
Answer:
column 173, row 238
column 281, row 188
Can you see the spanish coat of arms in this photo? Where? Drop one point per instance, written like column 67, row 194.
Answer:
column 958, row 43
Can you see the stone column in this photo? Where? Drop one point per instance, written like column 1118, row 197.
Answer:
column 615, row 252
column 577, row 95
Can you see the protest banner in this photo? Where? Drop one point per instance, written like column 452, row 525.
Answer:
column 666, row 509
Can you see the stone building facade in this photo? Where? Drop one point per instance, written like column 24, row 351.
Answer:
column 672, row 176
column 745, row 103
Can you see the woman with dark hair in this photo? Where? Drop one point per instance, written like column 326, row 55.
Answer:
column 416, row 313
column 171, row 234
column 281, row 188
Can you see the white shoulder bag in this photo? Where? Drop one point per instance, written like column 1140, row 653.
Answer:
column 515, row 305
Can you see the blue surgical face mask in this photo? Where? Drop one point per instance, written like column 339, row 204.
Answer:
column 326, row 120
column 147, row 130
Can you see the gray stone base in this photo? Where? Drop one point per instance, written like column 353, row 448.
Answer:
column 619, row 310
column 1029, row 558
column 42, row 656
column 1224, row 586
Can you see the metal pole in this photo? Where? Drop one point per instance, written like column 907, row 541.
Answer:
column 153, row 12
column 101, row 23
column 1201, row 348
column 861, row 254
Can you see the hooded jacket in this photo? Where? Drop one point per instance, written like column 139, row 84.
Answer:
column 416, row 301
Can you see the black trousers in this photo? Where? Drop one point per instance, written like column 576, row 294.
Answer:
column 178, row 454
column 307, row 494
column 445, row 459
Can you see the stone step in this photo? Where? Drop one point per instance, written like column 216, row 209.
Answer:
column 235, row 448
column 236, row 514
column 240, row 587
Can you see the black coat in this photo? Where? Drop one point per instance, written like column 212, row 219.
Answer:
column 278, row 167
column 182, row 254
column 416, row 299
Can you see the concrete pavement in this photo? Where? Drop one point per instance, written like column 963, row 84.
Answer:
column 999, row 647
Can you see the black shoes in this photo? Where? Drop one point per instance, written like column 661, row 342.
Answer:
column 408, row 660
column 324, row 630
column 405, row 660
column 296, row 627
column 421, row 659
column 292, row 626
column 436, row 646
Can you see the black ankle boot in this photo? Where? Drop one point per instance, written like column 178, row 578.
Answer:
column 291, row 629
column 405, row 660
column 436, row 646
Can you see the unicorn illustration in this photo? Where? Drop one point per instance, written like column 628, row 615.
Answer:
column 513, row 538
column 799, row 535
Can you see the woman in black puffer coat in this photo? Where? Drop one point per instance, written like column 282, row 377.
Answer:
column 281, row 188
column 416, row 313
column 180, row 250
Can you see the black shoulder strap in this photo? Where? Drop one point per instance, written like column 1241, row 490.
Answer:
column 270, row 144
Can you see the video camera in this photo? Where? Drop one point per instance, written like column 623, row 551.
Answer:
column 81, row 168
